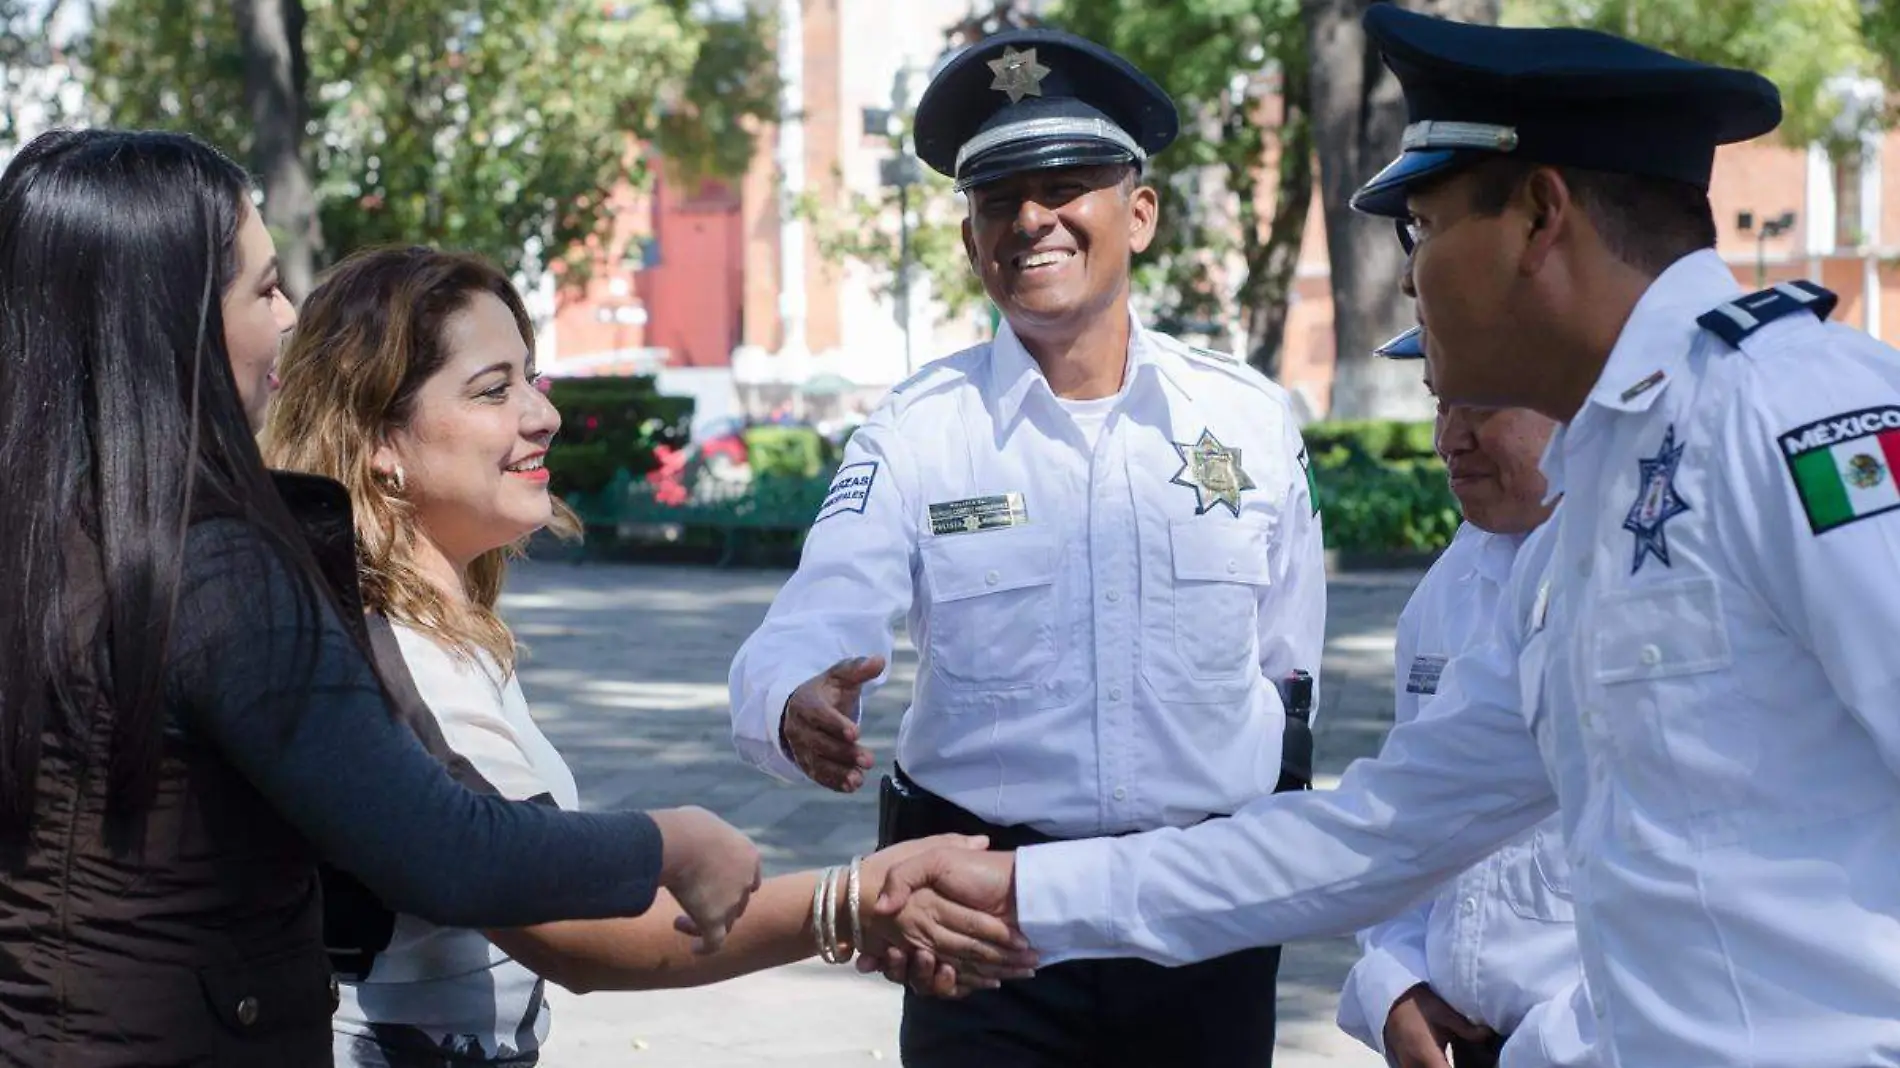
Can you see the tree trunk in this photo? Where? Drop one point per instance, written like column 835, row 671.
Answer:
column 1272, row 265
column 1358, row 114
column 275, row 78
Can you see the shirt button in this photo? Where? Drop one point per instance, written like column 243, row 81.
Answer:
column 1114, row 596
column 1583, row 567
column 1114, row 693
column 1470, row 905
column 1650, row 655
column 1121, row 793
column 993, row 578
column 1233, row 567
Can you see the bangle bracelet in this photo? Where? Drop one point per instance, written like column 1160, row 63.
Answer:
column 852, row 899
column 817, row 912
column 828, row 932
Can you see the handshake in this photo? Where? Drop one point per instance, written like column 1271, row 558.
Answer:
column 937, row 914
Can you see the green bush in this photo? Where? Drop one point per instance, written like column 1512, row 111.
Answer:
column 796, row 452
column 609, row 423
column 1381, row 486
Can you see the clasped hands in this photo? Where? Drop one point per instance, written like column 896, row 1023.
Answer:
column 944, row 922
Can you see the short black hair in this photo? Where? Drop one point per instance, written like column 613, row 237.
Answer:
column 1645, row 221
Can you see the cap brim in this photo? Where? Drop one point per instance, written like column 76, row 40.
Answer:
column 1005, row 160
column 1407, row 346
column 1385, row 194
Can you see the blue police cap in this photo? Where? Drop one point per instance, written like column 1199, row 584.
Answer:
column 1407, row 346
column 1565, row 97
column 1035, row 99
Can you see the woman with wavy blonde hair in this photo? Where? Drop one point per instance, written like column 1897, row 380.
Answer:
column 411, row 380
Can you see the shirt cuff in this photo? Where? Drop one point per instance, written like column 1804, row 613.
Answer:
column 1064, row 904
column 767, row 754
column 1374, row 985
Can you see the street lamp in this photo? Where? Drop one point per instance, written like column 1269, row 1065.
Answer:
column 1775, row 227
column 901, row 171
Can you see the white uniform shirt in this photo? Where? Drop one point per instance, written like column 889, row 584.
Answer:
column 1100, row 653
column 449, row 990
column 1721, row 721
column 1497, row 940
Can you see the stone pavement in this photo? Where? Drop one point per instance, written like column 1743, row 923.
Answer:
column 626, row 672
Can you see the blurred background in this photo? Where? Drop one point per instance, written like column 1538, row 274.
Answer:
column 731, row 254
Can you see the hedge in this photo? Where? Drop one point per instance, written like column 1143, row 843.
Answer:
column 610, row 423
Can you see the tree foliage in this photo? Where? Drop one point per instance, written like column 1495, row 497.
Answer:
column 500, row 127
column 1806, row 47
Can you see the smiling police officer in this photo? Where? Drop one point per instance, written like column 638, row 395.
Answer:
column 1107, row 548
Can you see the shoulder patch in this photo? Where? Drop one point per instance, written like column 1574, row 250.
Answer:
column 1312, row 483
column 1844, row 466
column 1739, row 318
column 850, row 490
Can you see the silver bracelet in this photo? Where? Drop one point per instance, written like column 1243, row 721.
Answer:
column 857, row 921
column 818, row 912
column 825, row 917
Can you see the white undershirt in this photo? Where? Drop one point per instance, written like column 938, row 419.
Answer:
column 1091, row 415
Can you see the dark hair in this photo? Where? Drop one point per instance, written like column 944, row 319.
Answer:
column 122, row 418
column 1648, row 223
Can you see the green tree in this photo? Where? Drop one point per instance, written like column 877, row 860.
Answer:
column 1215, row 58
column 500, row 127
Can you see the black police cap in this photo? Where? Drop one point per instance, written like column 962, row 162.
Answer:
column 1035, row 99
column 1565, row 97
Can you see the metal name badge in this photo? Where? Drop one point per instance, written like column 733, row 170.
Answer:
column 978, row 513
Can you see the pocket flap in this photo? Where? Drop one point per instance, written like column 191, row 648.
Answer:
column 294, row 990
column 1654, row 632
column 1207, row 549
column 961, row 566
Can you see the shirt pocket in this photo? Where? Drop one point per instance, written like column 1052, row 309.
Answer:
column 1660, row 664
column 1536, row 877
column 1220, row 571
column 993, row 609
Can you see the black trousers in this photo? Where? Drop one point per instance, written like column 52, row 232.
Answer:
column 1087, row 1014
column 1105, row 1014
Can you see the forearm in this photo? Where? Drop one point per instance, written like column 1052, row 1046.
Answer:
column 647, row 953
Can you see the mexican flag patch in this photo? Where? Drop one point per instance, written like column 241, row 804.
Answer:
column 1843, row 466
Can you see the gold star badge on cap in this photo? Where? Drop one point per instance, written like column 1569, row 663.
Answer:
column 1018, row 74
column 1213, row 472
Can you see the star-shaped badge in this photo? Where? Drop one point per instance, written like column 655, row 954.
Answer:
column 1657, row 502
column 1213, row 472
column 1018, row 74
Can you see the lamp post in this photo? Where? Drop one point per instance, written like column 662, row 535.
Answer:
column 1775, row 227
column 901, row 172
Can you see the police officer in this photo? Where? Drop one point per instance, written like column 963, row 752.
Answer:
column 1107, row 550
column 1696, row 663
column 1491, row 956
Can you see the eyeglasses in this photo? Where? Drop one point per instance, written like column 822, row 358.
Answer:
column 1408, row 235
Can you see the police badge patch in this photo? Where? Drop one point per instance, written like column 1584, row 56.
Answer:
column 1657, row 502
column 1213, row 472
column 1423, row 678
column 850, row 490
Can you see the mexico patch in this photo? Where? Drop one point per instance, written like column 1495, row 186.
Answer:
column 850, row 490
column 1843, row 466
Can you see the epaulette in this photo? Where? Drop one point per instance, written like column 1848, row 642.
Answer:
column 1739, row 318
column 1212, row 355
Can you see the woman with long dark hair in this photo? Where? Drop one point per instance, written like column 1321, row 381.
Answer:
column 188, row 720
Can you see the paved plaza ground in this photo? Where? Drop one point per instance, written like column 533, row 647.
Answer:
column 627, row 674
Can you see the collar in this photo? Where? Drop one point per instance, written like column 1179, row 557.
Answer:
column 1015, row 375
column 1653, row 346
column 1496, row 553
column 1661, row 331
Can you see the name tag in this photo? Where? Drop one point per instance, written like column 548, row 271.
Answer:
column 978, row 513
column 1424, row 676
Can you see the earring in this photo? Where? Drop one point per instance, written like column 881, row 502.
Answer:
column 395, row 479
